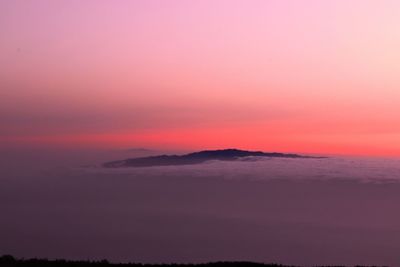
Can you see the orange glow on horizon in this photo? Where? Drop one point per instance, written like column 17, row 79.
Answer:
column 200, row 139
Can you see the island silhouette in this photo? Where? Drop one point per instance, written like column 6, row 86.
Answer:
column 230, row 154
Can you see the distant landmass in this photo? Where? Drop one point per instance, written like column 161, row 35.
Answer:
column 197, row 158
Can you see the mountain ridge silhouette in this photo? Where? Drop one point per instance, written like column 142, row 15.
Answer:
column 230, row 154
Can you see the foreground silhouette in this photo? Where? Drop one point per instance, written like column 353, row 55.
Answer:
column 197, row 158
column 10, row 261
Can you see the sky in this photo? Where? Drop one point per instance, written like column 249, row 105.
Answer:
column 276, row 75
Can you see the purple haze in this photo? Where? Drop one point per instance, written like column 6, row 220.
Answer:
column 291, row 211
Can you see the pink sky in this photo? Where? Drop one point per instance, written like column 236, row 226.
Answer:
column 304, row 76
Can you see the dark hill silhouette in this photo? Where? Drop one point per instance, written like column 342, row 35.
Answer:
column 10, row 261
column 196, row 158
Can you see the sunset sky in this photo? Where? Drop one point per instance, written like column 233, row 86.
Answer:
column 305, row 76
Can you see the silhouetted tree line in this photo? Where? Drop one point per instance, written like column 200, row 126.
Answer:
column 10, row 261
